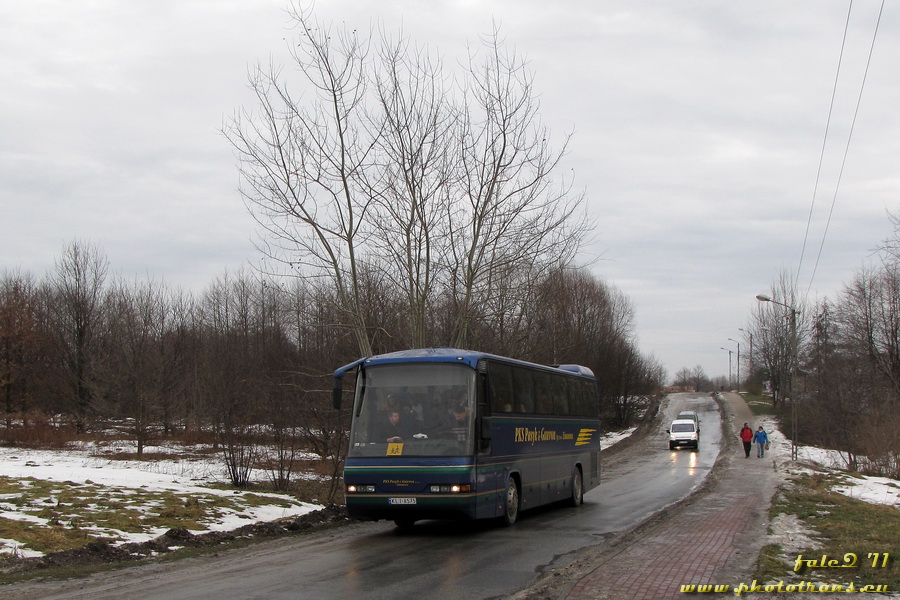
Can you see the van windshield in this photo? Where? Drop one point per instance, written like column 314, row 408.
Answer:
column 682, row 427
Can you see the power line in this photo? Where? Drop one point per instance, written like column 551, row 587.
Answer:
column 837, row 76
column 837, row 186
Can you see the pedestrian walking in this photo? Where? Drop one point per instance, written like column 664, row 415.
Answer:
column 747, row 439
column 762, row 442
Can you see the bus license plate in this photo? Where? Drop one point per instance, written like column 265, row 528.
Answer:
column 401, row 500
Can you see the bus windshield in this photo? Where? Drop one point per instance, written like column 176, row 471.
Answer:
column 413, row 409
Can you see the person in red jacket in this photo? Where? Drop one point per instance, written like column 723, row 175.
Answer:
column 747, row 438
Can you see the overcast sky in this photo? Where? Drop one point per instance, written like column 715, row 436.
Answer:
column 698, row 129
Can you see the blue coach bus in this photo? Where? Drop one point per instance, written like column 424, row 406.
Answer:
column 442, row 433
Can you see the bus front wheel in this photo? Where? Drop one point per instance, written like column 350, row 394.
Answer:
column 511, row 506
column 577, row 496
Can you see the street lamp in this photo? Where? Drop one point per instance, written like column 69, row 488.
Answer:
column 729, row 365
column 793, row 366
column 738, row 366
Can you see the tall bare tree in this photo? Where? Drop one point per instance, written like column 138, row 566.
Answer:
column 383, row 172
column 412, row 190
column 304, row 163
column 512, row 212
column 78, row 314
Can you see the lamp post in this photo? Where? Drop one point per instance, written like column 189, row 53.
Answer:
column 791, row 370
column 737, row 367
column 729, row 364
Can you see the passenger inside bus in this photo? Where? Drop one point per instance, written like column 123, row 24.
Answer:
column 456, row 424
column 392, row 427
column 544, row 404
column 460, row 417
column 412, row 413
column 454, row 421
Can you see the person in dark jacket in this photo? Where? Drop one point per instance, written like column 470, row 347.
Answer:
column 392, row 429
column 761, row 439
column 747, row 439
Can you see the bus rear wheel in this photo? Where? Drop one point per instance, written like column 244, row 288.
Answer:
column 511, row 507
column 577, row 496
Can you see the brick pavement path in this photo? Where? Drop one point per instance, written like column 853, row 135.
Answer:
column 712, row 540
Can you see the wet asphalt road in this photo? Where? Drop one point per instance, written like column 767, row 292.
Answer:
column 449, row 560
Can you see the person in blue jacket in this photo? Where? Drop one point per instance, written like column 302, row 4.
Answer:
column 761, row 439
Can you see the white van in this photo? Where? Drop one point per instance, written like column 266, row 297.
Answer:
column 689, row 414
column 683, row 432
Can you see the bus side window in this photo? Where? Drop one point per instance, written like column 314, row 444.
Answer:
column 524, row 390
column 560, row 396
column 577, row 398
column 592, row 399
column 544, row 391
column 501, row 388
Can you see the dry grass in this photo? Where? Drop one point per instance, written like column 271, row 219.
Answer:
column 851, row 531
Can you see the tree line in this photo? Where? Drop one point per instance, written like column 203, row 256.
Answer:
column 835, row 363
column 250, row 357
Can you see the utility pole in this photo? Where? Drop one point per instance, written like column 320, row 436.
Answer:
column 738, row 368
column 791, row 370
column 730, row 380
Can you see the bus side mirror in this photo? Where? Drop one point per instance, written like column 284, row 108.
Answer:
column 339, row 382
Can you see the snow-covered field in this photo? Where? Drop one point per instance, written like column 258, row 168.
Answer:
column 85, row 465
column 876, row 490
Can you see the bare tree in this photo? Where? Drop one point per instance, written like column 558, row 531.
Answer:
column 78, row 288
column 574, row 317
column 321, row 345
column 304, row 164
column 416, row 171
column 19, row 344
column 779, row 330
column 699, row 379
column 383, row 174
column 833, row 414
column 871, row 317
column 512, row 212
column 229, row 372
column 890, row 247
column 135, row 376
column 178, row 351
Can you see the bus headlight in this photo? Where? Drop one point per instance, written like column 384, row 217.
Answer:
column 455, row 488
column 360, row 489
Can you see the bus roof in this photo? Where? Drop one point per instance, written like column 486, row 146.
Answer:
column 447, row 354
